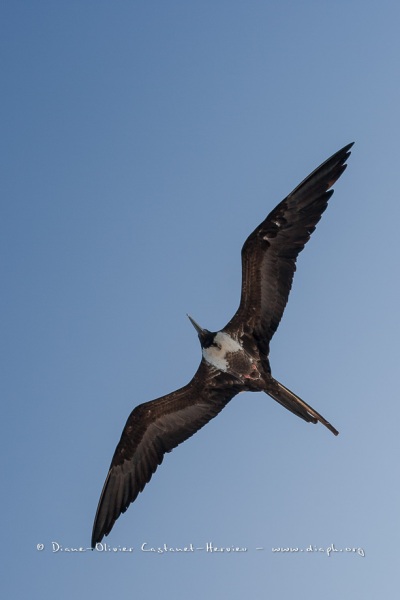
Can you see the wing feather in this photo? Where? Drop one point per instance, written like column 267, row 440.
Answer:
column 152, row 429
column 270, row 252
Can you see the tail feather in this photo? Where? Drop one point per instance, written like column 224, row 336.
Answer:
column 296, row 405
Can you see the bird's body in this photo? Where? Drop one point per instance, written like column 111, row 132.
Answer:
column 229, row 356
column 234, row 359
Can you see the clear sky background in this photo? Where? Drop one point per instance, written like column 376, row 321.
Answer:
column 142, row 142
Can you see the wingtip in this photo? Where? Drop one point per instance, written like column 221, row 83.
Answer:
column 96, row 538
column 346, row 149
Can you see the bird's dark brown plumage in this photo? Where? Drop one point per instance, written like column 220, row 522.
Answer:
column 152, row 429
column 268, row 265
column 269, row 254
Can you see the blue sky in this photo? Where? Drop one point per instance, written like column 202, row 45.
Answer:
column 142, row 142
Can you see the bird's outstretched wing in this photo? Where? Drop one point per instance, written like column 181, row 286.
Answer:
column 152, row 429
column 270, row 252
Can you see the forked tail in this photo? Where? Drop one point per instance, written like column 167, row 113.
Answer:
column 296, row 405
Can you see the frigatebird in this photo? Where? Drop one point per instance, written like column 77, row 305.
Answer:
column 234, row 359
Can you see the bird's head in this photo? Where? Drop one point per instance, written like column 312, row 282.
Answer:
column 206, row 337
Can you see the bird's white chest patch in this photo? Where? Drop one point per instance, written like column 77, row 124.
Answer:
column 216, row 354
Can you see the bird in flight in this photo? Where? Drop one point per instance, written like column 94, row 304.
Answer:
column 234, row 359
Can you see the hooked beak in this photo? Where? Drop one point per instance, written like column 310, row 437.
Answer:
column 197, row 327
